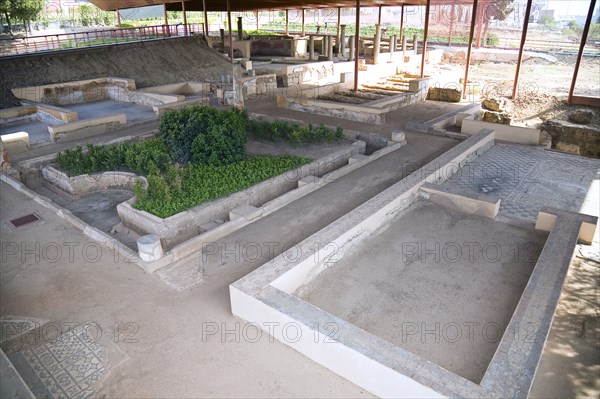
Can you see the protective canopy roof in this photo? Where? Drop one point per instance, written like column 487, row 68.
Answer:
column 254, row 5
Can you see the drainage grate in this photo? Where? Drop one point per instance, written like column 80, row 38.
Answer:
column 23, row 220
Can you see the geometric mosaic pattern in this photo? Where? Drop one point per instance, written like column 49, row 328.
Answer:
column 527, row 179
column 68, row 365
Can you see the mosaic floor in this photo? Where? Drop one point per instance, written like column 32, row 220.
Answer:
column 65, row 367
column 529, row 178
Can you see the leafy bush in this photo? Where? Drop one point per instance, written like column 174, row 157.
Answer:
column 205, row 134
column 182, row 187
column 141, row 158
column 293, row 132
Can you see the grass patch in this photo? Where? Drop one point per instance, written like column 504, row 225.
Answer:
column 184, row 187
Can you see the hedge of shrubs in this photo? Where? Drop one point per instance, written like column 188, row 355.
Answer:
column 293, row 132
column 199, row 156
column 204, row 134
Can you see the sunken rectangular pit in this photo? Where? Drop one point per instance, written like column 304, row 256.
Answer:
column 382, row 297
column 437, row 282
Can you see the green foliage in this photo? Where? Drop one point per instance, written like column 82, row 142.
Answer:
column 21, row 10
column 182, row 187
column 205, row 134
column 141, row 158
column 199, row 157
column 547, row 20
column 293, row 132
column 85, row 14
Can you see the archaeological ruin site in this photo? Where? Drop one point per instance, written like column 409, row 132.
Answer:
column 334, row 198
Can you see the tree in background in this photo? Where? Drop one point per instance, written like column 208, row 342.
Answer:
column 548, row 21
column 21, row 10
column 498, row 10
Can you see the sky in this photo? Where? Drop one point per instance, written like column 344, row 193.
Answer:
column 569, row 7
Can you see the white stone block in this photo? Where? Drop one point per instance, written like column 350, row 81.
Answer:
column 149, row 248
column 398, row 136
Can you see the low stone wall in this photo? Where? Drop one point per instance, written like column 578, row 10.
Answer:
column 370, row 112
column 513, row 134
column 77, row 185
column 15, row 113
column 52, row 113
column 574, row 138
column 87, row 127
column 262, row 84
column 73, row 92
column 161, row 109
column 447, row 94
column 184, row 225
column 118, row 89
column 338, row 110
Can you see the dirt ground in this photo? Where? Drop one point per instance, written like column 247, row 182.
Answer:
column 149, row 63
column 535, row 108
column 537, row 75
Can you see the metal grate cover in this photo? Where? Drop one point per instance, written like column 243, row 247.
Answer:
column 23, row 220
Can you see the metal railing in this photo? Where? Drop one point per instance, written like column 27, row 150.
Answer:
column 98, row 37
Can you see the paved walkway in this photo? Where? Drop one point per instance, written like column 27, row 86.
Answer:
column 154, row 341
column 261, row 241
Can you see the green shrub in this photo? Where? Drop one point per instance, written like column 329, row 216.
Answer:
column 140, row 158
column 205, row 134
column 182, row 187
column 293, row 132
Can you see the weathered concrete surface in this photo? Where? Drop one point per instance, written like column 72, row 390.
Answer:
column 569, row 366
column 94, row 109
column 416, row 293
column 37, row 130
column 263, row 241
column 12, row 385
column 164, row 340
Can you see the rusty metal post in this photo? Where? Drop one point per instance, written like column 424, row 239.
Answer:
column 185, row 26
column 425, row 33
column 302, row 33
column 376, row 44
column 469, row 47
column 584, row 36
column 166, row 18
column 402, row 22
column 240, row 28
column 338, row 34
column 523, row 39
column 230, row 34
column 356, row 45
column 205, row 18
column 118, row 18
column 287, row 23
